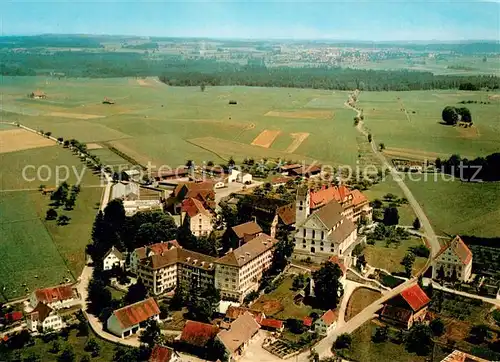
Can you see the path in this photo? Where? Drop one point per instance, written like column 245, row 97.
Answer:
column 463, row 294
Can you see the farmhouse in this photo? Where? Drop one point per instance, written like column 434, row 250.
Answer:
column 326, row 323
column 38, row 94
column 324, row 232
column 240, row 271
column 163, row 354
column 196, row 217
column 44, row 318
column 355, row 204
column 130, row 319
column 113, row 258
column 235, row 340
column 146, row 251
column 62, row 296
column 162, row 272
column 406, row 308
column 242, row 233
column 453, row 261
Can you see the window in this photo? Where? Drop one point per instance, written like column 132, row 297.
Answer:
column 322, row 235
column 300, row 208
column 304, row 232
column 314, row 234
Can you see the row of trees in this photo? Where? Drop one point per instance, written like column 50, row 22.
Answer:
column 476, row 170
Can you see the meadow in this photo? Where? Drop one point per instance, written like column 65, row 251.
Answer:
column 35, row 252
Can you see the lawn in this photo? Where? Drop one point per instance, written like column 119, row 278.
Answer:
column 279, row 303
column 74, row 340
column 364, row 350
column 359, row 300
column 389, row 258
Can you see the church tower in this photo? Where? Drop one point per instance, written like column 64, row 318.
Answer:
column 302, row 205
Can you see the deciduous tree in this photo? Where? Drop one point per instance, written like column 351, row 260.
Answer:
column 327, row 286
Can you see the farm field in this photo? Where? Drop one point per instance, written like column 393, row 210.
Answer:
column 418, row 129
column 34, row 251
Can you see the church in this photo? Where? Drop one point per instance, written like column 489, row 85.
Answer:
column 324, row 232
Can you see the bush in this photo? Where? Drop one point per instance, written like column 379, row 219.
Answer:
column 496, row 316
column 251, row 297
column 421, row 250
column 343, row 341
column 437, row 327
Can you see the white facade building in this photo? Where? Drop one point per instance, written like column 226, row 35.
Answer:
column 43, row 318
column 326, row 323
column 113, row 258
column 453, row 261
column 132, row 318
column 61, row 296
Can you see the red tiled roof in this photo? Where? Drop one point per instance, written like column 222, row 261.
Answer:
column 330, row 316
column 307, row 321
column 161, row 354
column 158, row 248
column 336, row 260
column 415, row 297
column 54, row 294
column 194, row 187
column 281, row 180
column 287, row 214
column 290, row 167
column 358, row 198
column 198, row 334
column 135, row 313
column 459, row 248
column 193, row 207
column 327, row 194
column 234, row 312
column 271, row 323
column 13, row 316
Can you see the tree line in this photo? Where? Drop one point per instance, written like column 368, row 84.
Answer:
column 479, row 169
column 179, row 71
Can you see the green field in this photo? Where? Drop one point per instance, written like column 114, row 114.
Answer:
column 34, row 251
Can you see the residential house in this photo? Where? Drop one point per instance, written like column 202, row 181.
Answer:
column 202, row 191
column 354, row 203
column 113, row 258
column 240, row 271
column 162, row 272
column 130, row 319
column 307, row 322
column 142, row 253
column 234, row 312
column 43, row 318
column 197, row 336
column 324, row 232
column 237, row 337
column 199, row 219
column 459, row 356
column 271, row 324
column 163, row 354
column 38, row 94
column 61, row 296
column 240, row 234
column 326, row 323
column 454, row 260
column 129, row 191
column 406, row 308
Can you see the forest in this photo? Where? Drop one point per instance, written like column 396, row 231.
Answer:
column 179, row 71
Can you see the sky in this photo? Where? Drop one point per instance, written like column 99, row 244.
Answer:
column 370, row 20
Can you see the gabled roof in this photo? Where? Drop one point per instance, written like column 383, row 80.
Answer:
column 308, row 321
column 459, row 248
column 330, row 214
column 241, row 331
column 193, row 207
column 396, row 313
column 327, row 194
column 271, row 323
column 136, row 313
column 249, row 228
column 179, row 255
column 358, row 198
column 415, row 297
column 41, row 310
column 287, row 214
column 193, row 187
column 13, row 316
column 122, row 190
column 38, row 93
column 198, row 334
column 342, row 231
column 248, row 251
column 115, row 252
column 161, row 354
column 54, row 294
column 330, row 317
column 234, row 312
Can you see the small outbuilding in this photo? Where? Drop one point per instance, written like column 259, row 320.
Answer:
column 38, row 94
